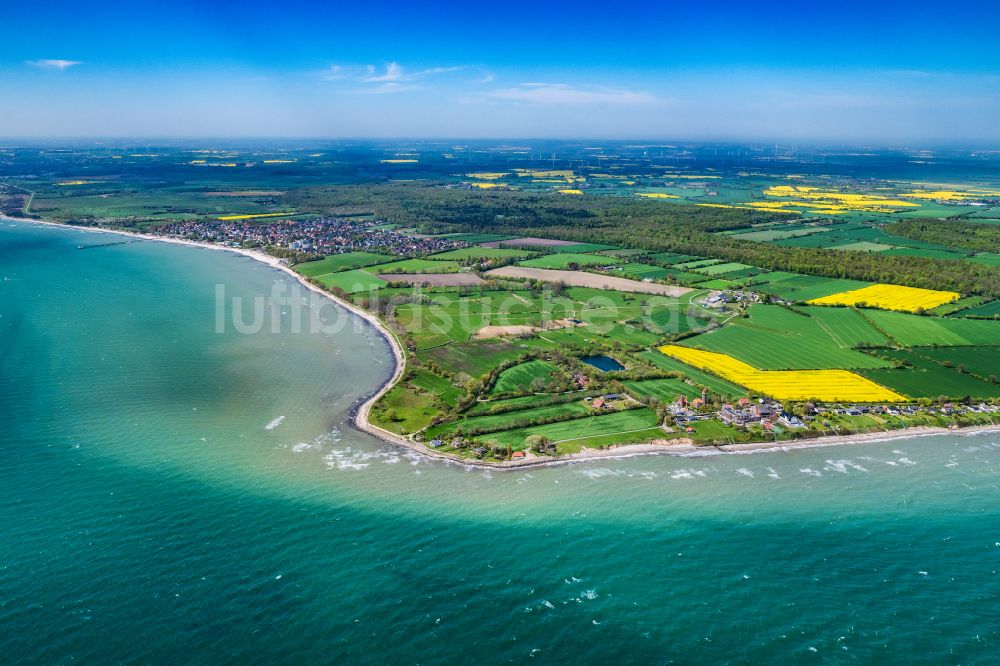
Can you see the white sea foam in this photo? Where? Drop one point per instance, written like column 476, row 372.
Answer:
column 598, row 472
column 745, row 472
column 842, row 466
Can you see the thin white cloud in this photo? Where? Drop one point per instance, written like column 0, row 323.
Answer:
column 393, row 72
column 438, row 70
column 380, row 79
column 61, row 65
column 567, row 95
column 336, row 73
column 386, row 88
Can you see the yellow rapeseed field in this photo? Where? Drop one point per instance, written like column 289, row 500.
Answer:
column 485, row 175
column 950, row 195
column 68, row 183
column 890, row 297
column 537, row 173
column 657, row 195
column 488, row 186
column 826, row 385
column 251, row 216
column 570, row 191
column 840, row 200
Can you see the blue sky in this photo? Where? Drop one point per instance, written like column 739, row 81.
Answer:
column 875, row 71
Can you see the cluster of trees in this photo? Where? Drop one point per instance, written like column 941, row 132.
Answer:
column 956, row 233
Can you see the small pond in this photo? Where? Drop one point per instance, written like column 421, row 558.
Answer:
column 603, row 363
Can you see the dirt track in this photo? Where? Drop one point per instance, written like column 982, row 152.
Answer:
column 583, row 279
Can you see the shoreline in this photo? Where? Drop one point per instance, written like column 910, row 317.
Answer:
column 359, row 413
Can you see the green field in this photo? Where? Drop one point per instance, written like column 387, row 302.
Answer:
column 764, row 233
column 404, row 409
column 450, row 317
column 469, row 253
column 475, row 359
column 719, row 269
column 928, row 379
column 664, row 390
column 671, row 258
column 807, row 287
column 915, row 331
column 342, row 262
column 589, row 426
column 509, row 420
column 991, row 309
column 519, row 378
column 416, row 266
column 775, row 338
column 476, row 238
column 713, row 383
column 717, row 284
column 603, row 334
column 636, row 271
column 563, row 260
column 863, row 246
column 523, row 402
column 352, row 282
column 965, row 303
column 437, row 385
column 579, row 248
column 846, row 326
column 983, row 362
column 700, row 263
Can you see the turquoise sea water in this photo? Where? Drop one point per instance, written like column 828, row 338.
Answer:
column 155, row 507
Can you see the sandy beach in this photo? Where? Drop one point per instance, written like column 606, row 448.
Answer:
column 675, row 447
